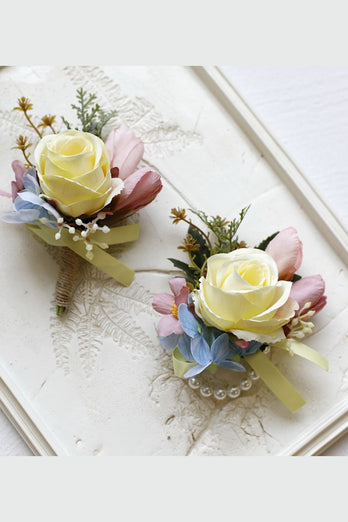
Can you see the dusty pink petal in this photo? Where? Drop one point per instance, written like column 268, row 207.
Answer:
column 163, row 303
column 182, row 297
column 139, row 190
column 168, row 325
column 19, row 169
column 286, row 250
column 125, row 151
column 179, row 289
column 320, row 304
column 307, row 289
column 15, row 190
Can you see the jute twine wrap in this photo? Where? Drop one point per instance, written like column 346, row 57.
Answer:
column 67, row 277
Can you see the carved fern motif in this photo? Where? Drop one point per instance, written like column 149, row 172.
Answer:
column 101, row 308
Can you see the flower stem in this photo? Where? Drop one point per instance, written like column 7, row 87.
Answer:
column 189, row 222
column 27, row 158
column 31, row 124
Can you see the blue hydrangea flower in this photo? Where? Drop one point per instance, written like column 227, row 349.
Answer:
column 201, row 345
column 30, row 207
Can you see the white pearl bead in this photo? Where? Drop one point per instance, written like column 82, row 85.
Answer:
column 206, row 391
column 220, row 394
column 194, row 383
column 253, row 375
column 233, row 392
column 245, row 384
column 267, row 350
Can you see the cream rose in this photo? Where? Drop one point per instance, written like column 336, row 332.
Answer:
column 74, row 171
column 241, row 294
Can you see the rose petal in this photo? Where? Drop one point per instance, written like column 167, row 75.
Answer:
column 125, row 150
column 286, row 250
column 308, row 289
column 168, row 325
column 163, row 303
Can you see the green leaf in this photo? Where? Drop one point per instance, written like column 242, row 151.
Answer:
column 91, row 115
column 192, row 276
column 203, row 253
column 263, row 245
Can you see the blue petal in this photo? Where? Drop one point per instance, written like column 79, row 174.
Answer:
column 232, row 365
column 184, row 346
column 170, row 342
column 50, row 209
column 195, row 370
column 30, row 181
column 23, row 216
column 201, row 351
column 188, row 321
column 220, row 349
column 28, row 200
column 30, row 197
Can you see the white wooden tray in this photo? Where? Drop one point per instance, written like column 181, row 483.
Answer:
column 97, row 382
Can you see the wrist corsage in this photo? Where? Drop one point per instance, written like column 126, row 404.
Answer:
column 233, row 305
column 75, row 189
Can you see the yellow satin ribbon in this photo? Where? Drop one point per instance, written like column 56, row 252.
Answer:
column 101, row 259
column 180, row 364
column 275, row 380
column 295, row 347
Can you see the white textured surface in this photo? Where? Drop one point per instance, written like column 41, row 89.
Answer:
column 269, row 95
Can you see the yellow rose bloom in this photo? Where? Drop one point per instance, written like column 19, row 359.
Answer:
column 74, row 171
column 241, row 294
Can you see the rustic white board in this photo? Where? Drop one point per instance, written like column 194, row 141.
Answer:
column 98, row 383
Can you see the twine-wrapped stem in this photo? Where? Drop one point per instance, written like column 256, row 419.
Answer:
column 67, row 278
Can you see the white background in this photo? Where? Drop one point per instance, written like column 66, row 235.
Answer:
column 306, row 109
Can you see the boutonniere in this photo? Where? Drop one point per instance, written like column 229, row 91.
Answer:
column 234, row 304
column 73, row 189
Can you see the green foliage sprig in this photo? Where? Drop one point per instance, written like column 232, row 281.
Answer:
column 224, row 231
column 92, row 117
column 221, row 237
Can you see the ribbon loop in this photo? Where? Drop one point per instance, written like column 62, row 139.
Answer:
column 180, row 364
column 303, row 351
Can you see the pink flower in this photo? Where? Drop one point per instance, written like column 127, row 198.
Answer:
column 286, row 250
column 309, row 289
column 167, row 305
column 140, row 187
